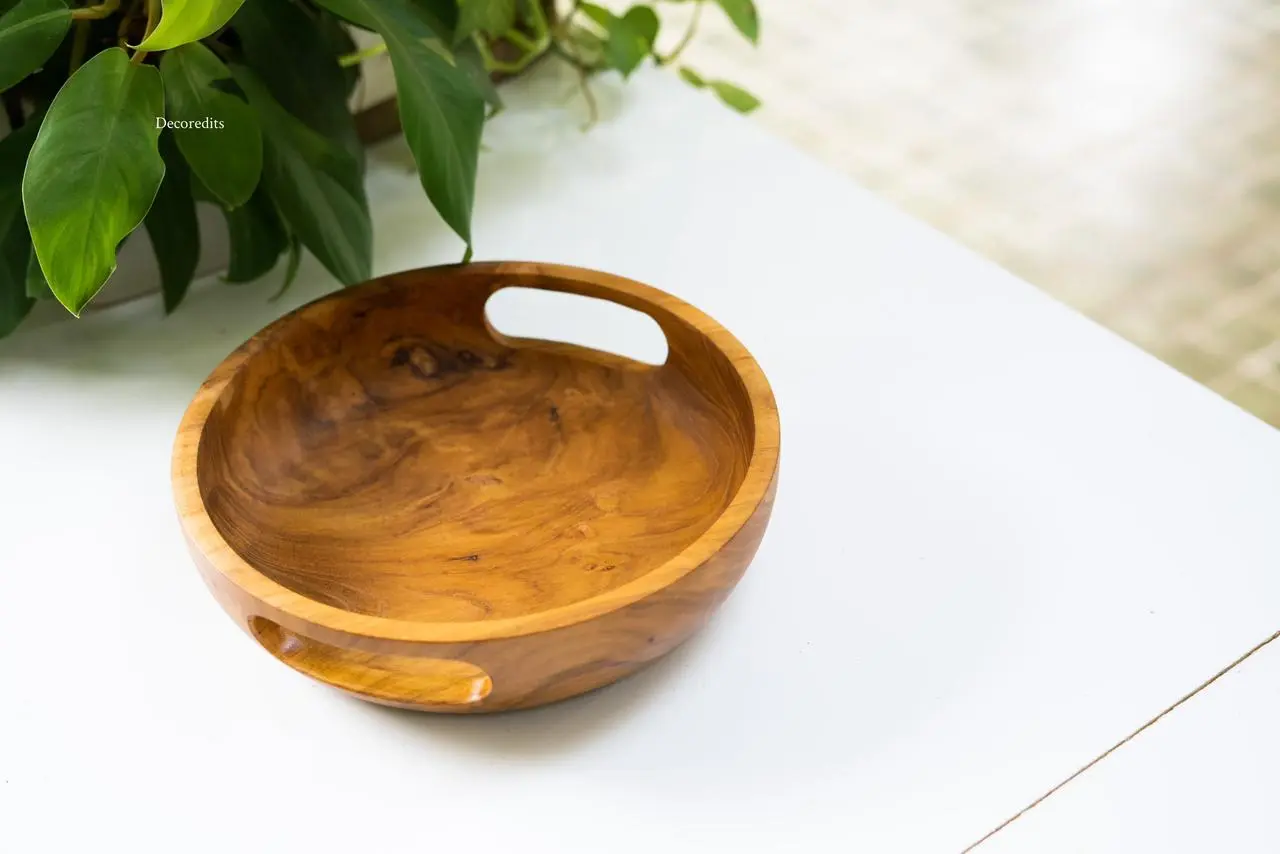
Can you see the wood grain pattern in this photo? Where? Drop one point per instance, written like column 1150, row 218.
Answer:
column 397, row 500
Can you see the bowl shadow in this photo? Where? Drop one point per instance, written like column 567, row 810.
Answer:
column 555, row 729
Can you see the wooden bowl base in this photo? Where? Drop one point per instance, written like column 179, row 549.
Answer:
column 397, row 500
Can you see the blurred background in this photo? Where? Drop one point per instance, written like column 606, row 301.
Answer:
column 1122, row 156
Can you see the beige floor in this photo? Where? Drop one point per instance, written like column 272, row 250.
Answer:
column 1124, row 155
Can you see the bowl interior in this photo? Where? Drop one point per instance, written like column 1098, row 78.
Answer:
column 385, row 452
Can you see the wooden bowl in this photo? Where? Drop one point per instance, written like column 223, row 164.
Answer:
column 395, row 499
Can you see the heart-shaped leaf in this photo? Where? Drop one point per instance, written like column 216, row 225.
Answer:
column 171, row 224
column 227, row 158
column 316, row 185
column 744, row 16
column 29, row 34
column 441, row 110
column 631, row 39
column 93, row 172
column 185, row 21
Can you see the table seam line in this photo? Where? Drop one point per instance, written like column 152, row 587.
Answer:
column 1121, row 743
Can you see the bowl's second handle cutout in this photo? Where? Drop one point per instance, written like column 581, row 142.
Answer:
column 425, row 682
column 600, row 324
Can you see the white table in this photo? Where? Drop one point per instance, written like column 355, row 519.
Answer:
column 1003, row 539
column 1203, row 779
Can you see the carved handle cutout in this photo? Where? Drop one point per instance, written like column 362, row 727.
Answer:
column 428, row 681
column 520, row 312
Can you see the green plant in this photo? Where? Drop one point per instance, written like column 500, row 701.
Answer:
column 126, row 113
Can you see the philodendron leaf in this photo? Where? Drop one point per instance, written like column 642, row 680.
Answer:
column 15, row 242
column 186, row 21
column 172, row 226
column 29, row 34
column 226, row 157
column 491, row 17
column 317, row 187
column 740, row 99
column 743, row 15
column 93, row 172
column 631, row 39
column 441, row 110
column 302, row 74
column 201, row 193
column 255, row 233
column 257, row 238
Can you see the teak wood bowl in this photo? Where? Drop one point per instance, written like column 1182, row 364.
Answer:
column 399, row 501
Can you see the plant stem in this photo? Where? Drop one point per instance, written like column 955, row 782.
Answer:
column 521, row 41
column 79, row 44
column 492, row 63
column 361, row 55
column 593, row 112
column 153, row 18
column 94, row 13
column 541, row 32
column 126, row 21
column 567, row 19
column 688, row 37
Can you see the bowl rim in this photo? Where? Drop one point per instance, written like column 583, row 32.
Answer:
column 274, row 600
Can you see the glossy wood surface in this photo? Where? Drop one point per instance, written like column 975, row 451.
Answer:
column 397, row 500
